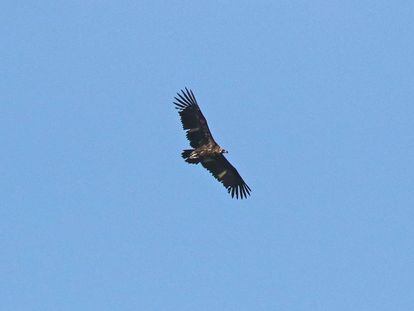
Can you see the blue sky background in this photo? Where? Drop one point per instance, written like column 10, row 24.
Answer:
column 313, row 100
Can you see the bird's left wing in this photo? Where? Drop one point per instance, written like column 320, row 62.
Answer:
column 224, row 172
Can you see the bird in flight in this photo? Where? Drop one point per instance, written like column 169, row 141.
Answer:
column 205, row 150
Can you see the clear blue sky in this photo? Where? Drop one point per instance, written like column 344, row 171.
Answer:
column 314, row 101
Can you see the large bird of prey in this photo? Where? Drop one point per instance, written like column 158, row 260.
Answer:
column 206, row 151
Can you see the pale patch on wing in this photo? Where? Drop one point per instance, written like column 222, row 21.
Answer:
column 208, row 160
column 222, row 174
column 194, row 130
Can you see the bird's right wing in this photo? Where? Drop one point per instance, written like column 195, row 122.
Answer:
column 192, row 119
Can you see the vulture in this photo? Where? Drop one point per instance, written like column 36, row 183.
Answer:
column 205, row 150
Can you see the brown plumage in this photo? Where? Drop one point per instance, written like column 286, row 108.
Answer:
column 206, row 151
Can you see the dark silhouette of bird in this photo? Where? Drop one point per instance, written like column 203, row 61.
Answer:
column 205, row 150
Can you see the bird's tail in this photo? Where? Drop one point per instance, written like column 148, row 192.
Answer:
column 186, row 154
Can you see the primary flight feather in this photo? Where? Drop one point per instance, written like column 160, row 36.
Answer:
column 205, row 150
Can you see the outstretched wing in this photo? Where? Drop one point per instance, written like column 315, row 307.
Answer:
column 192, row 119
column 225, row 173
